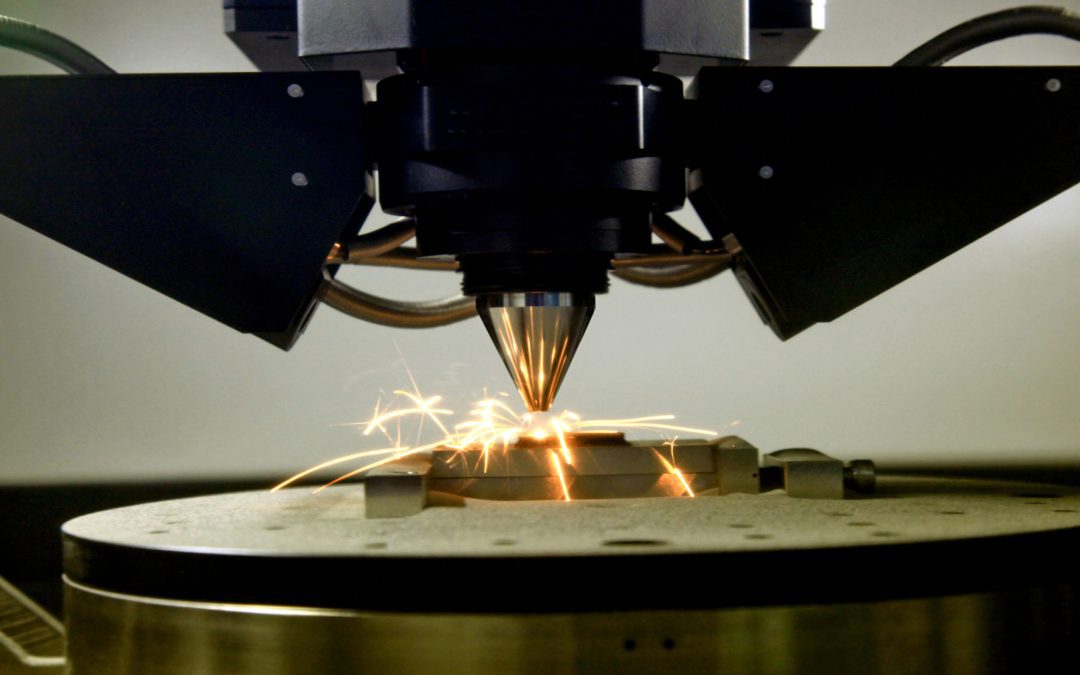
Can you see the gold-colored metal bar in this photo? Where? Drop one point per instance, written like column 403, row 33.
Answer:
column 694, row 456
column 539, row 488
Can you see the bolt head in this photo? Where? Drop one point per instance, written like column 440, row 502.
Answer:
column 766, row 172
column 295, row 90
column 1053, row 85
column 299, row 179
column 766, row 86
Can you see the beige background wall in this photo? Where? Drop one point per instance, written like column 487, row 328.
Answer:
column 976, row 358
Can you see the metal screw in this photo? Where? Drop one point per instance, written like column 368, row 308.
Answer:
column 1053, row 85
column 766, row 86
column 295, row 90
column 765, row 172
column 860, row 475
column 299, row 179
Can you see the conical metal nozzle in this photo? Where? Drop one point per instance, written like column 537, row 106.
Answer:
column 536, row 335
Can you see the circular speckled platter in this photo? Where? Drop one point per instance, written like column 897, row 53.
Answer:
column 915, row 537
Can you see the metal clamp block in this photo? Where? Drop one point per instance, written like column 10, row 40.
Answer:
column 397, row 489
column 737, row 467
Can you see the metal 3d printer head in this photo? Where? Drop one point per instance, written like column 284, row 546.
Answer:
column 534, row 147
column 533, row 176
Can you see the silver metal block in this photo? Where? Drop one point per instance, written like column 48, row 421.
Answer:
column 737, row 467
column 809, row 474
column 397, row 489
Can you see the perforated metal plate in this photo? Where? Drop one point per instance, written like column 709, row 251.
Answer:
column 917, row 536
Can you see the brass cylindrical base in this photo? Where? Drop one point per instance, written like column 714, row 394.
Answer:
column 118, row 634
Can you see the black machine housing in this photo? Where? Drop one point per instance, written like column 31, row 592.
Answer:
column 829, row 185
column 532, row 175
column 534, row 142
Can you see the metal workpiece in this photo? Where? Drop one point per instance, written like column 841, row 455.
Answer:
column 536, row 335
column 533, row 460
column 611, row 470
column 605, row 466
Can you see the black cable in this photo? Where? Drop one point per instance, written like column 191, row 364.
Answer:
column 991, row 28
column 63, row 53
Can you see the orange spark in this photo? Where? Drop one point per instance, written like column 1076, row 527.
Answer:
column 491, row 425
column 674, row 470
column 560, row 433
column 424, row 409
column 652, row 422
column 558, row 472
column 387, row 460
column 335, row 461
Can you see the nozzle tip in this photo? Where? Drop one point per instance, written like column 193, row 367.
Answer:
column 536, row 334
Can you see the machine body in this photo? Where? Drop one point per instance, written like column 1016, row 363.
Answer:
column 534, row 148
column 537, row 148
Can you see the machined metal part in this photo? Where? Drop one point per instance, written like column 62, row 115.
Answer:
column 398, row 489
column 536, row 335
column 343, row 33
column 808, row 473
column 267, row 33
column 780, row 30
column 290, row 582
column 609, row 471
column 606, row 466
column 860, row 475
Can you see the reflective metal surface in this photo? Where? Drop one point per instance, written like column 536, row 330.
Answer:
column 928, row 576
column 606, row 466
column 536, row 335
column 113, row 634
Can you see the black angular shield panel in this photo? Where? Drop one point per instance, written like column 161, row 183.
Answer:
column 839, row 183
column 224, row 192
